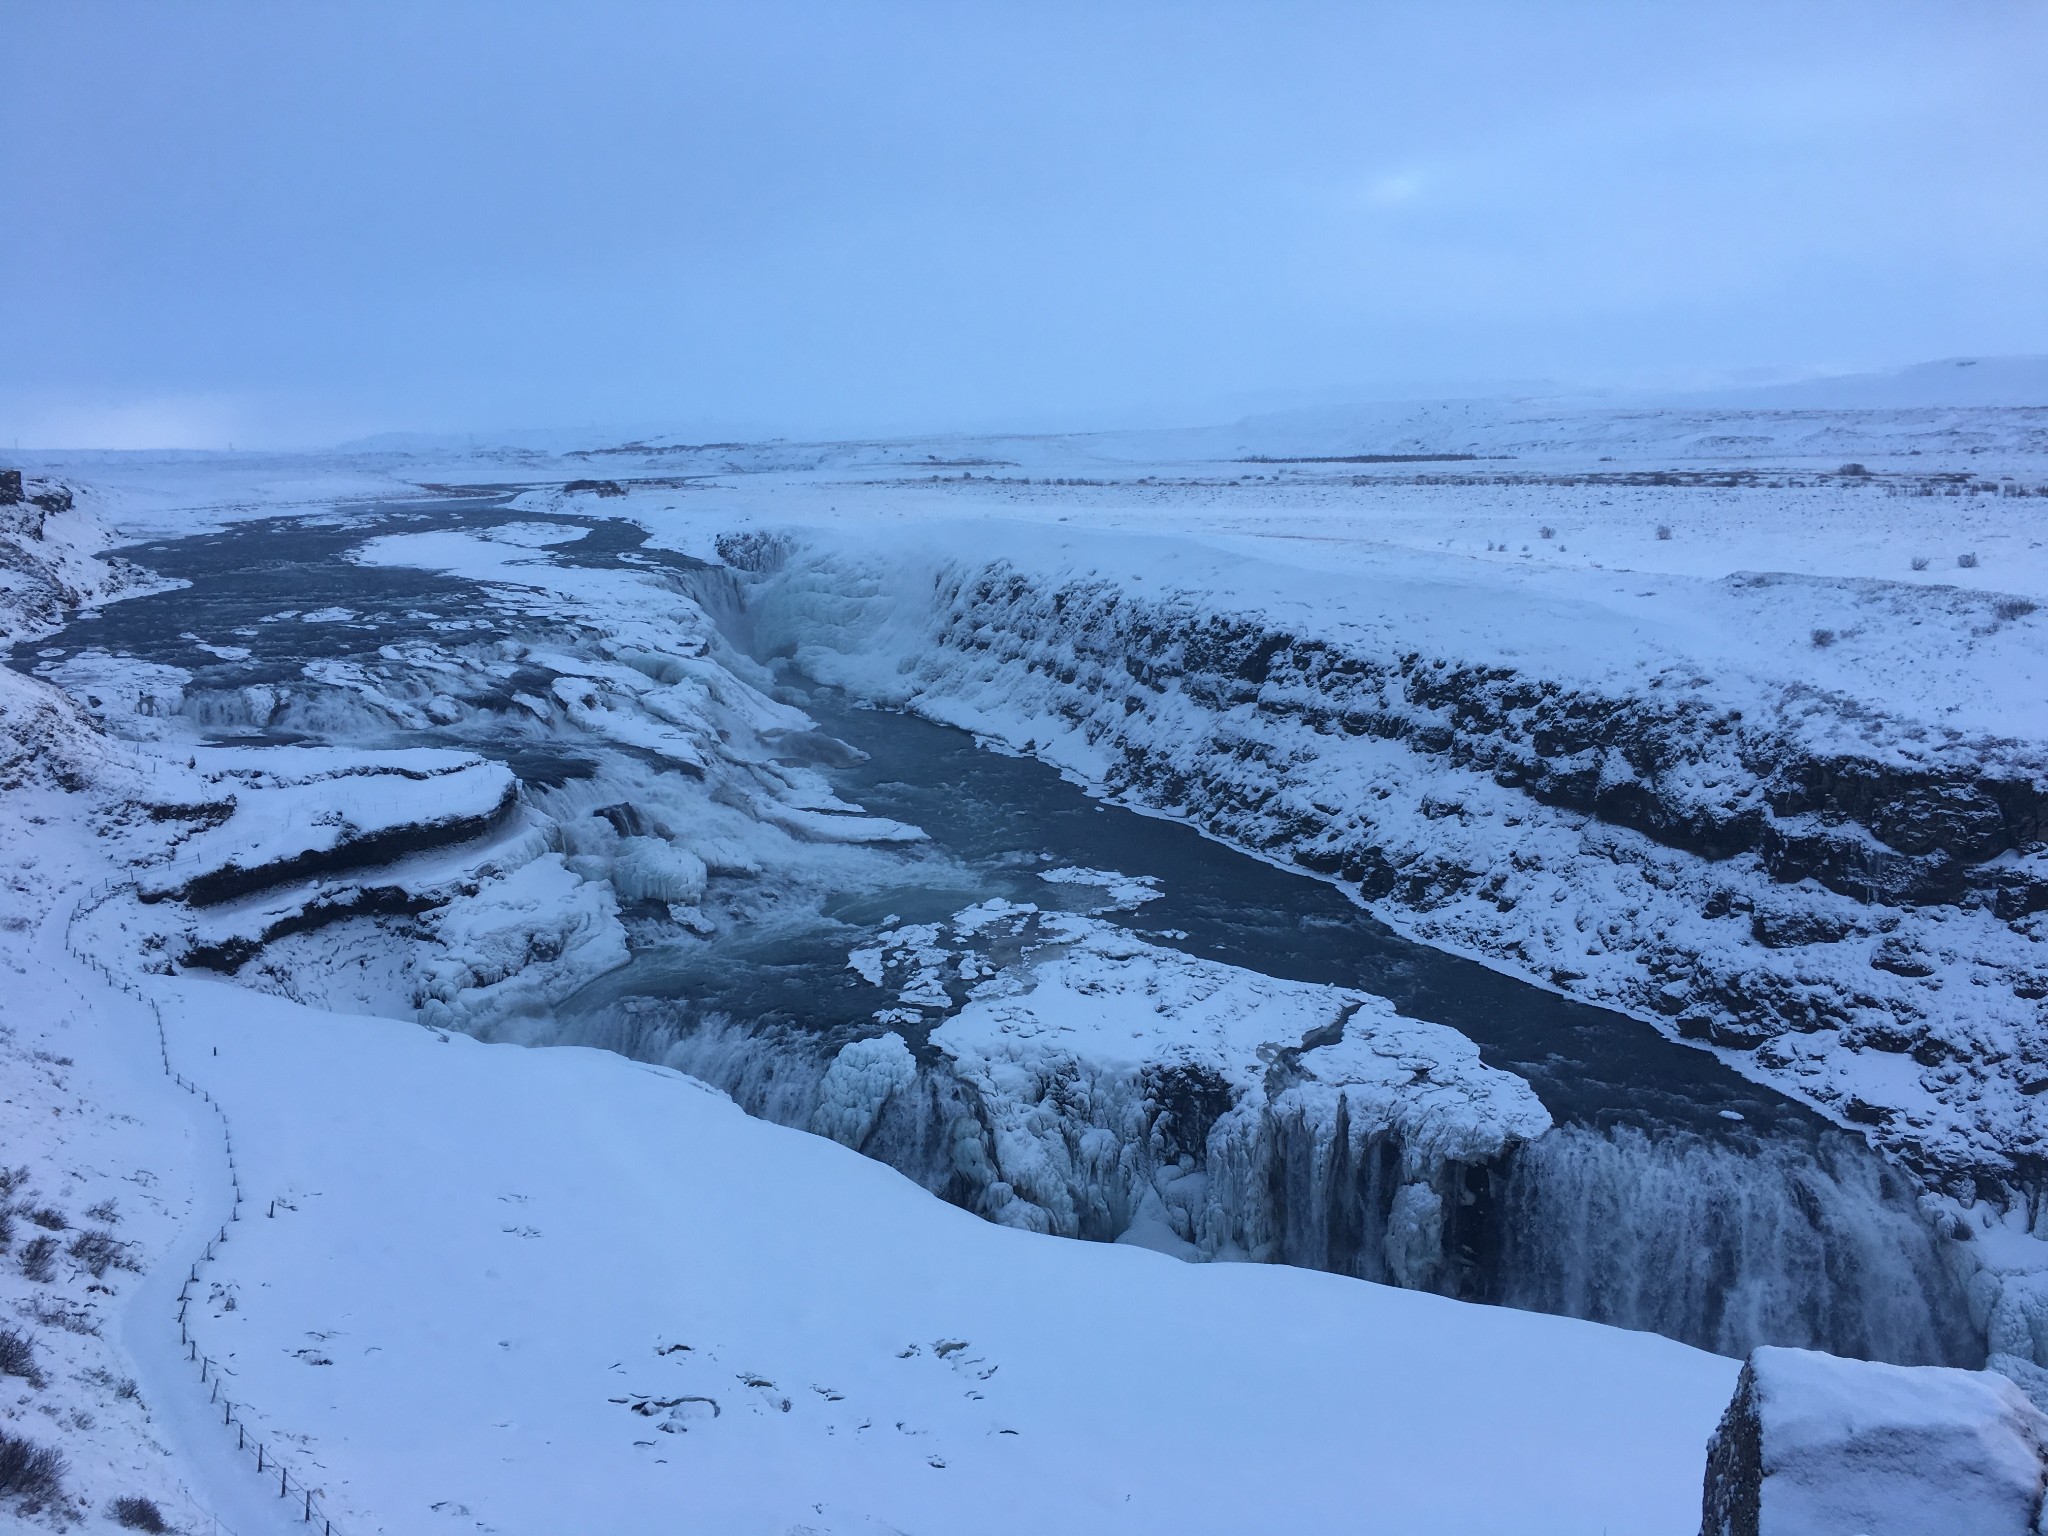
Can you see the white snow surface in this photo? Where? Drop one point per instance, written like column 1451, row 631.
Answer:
column 620, row 1250
column 1853, row 1446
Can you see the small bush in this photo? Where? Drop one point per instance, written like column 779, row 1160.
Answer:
column 2010, row 608
column 28, row 1470
column 99, row 1250
column 105, row 1211
column 138, row 1514
column 53, row 1313
column 1823, row 638
column 1546, row 533
column 1852, row 469
column 1967, row 562
column 12, row 1179
column 18, row 1357
column 1663, row 530
column 1919, row 562
column 48, row 1218
column 38, row 1259
column 6, row 1228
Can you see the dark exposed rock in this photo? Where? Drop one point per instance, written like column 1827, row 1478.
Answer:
column 1781, row 928
column 1902, row 958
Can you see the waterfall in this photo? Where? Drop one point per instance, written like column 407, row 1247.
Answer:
column 1729, row 1247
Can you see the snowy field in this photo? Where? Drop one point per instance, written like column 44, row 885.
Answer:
column 1727, row 720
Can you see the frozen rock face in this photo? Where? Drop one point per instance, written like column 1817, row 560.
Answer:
column 1845, row 896
column 49, row 566
column 858, row 1084
column 278, row 814
column 1813, row 1445
column 1117, row 1090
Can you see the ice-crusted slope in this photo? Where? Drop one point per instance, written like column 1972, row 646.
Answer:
column 1825, row 858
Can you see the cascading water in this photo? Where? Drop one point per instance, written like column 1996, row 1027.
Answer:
column 1727, row 1247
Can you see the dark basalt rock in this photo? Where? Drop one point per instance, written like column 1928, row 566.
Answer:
column 1731, row 1500
column 233, row 880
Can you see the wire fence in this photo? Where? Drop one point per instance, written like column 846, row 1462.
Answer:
column 302, row 1498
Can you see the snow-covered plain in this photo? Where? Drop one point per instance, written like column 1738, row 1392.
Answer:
column 1558, row 698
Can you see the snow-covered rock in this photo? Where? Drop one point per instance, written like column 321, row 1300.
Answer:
column 517, row 945
column 290, row 812
column 1121, row 1090
column 1813, row 1445
column 50, row 561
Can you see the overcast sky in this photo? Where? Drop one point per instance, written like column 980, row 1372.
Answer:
column 292, row 224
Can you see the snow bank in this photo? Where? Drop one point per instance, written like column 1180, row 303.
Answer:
column 609, row 1300
column 1813, row 1445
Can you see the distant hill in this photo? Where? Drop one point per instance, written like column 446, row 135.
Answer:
column 1953, row 381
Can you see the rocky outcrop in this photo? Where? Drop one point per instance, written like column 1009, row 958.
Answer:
column 293, row 814
column 49, row 558
column 1812, row 1445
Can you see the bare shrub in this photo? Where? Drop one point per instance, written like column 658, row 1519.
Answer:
column 38, row 1259
column 12, row 1179
column 105, row 1211
column 49, row 1218
column 1967, row 562
column 28, row 1470
column 18, row 1357
column 1546, row 533
column 1852, row 469
column 1823, row 638
column 1664, row 530
column 1919, row 562
column 2010, row 608
column 138, row 1514
column 99, row 1250
column 57, row 1314
column 6, row 1228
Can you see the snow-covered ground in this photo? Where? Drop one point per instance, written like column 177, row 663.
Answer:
column 479, row 1287
column 1699, row 713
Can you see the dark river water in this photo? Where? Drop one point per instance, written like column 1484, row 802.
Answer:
column 1802, row 1234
